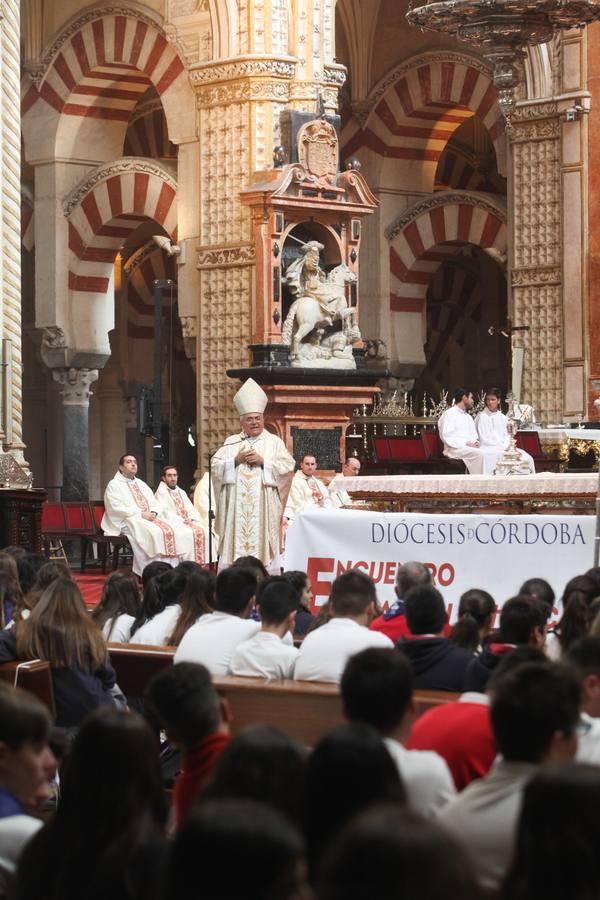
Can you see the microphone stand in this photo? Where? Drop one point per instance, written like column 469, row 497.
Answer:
column 211, row 512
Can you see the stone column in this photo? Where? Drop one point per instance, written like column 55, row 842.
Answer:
column 75, row 384
column 10, row 220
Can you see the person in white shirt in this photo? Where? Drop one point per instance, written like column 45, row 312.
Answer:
column 326, row 650
column 161, row 608
column 350, row 469
column 534, row 714
column 266, row 655
column 459, row 436
column 175, row 507
column 492, row 428
column 377, row 688
column 306, row 490
column 119, row 606
column 214, row 638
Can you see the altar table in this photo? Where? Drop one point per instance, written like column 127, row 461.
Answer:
column 545, row 492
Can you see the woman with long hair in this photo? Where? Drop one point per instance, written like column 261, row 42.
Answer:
column 476, row 610
column 106, row 839
column 390, row 853
column 578, row 615
column 48, row 573
column 349, row 771
column 118, row 607
column 556, row 853
column 304, row 618
column 160, row 609
column 60, row 630
column 197, row 599
column 11, row 599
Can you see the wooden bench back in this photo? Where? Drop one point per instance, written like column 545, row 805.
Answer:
column 303, row 709
column 34, row 676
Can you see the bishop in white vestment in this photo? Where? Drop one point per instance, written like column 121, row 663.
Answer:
column 350, row 469
column 176, row 507
column 492, row 429
column 306, row 490
column 459, row 435
column 130, row 508
column 251, row 475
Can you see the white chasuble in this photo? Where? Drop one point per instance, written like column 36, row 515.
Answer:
column 125, row 499
column 176, row 507
column 250, row 499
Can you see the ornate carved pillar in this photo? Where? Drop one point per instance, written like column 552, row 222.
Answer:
column 536, row 275
column 550, row 240
column 75, row 384
column 10, row 220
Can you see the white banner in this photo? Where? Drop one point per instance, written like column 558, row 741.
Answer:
column 496, row 553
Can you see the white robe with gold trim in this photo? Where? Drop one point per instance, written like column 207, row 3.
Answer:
column 250, row 499
column 125, row 499
column 176, row 507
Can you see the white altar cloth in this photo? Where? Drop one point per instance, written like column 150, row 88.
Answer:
column 551, row 483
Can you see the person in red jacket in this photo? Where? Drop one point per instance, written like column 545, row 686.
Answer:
column 461, row 732
column 393, row 622
column 196, row 721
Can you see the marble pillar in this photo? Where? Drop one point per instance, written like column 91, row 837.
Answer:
column 75, row 390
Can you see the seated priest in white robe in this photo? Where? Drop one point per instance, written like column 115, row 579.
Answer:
column 131, row 508
column 459, row 436
column 492, row 427
column 306, row 490
column 251, row 475
column 176, row 507
column 350, row 469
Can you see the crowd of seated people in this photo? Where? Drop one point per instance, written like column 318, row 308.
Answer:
column 490, row 795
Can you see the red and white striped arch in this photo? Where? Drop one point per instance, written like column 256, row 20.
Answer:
column 424, row 237
column 104, row 211
column 429, row 234
column 147, row 133
column 147, row 264
column 100, row 65
column 418, row 107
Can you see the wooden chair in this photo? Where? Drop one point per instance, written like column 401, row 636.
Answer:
column 106, row 543
column 529, row 441
column 54, row 531
column 434, row 450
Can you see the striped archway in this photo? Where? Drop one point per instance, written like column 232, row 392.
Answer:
column 104, row 210
column 101, row 64
column 147, row 134
column 423, row 238
column 415, row 110
column 141, row 269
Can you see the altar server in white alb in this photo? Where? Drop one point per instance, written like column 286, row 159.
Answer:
column 176, row 507
column 492, row 427
column 459, row 435
column 306, row 490
column 251, row 475
column 130, row 508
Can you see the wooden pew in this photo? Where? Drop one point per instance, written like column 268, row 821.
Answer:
column 33, row 676
column 303, row 709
